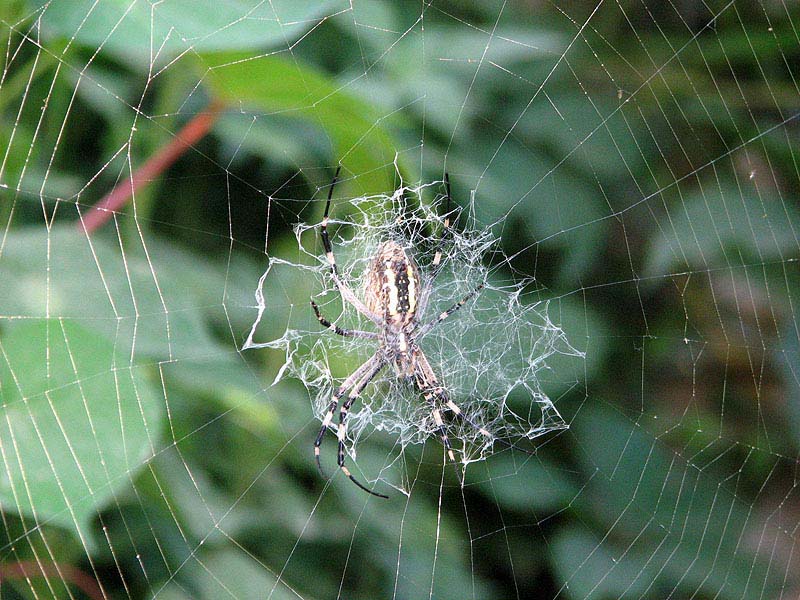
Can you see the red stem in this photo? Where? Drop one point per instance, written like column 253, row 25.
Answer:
column 32, row 568
column 192, row 132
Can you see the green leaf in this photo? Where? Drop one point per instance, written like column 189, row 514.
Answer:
column 558, row 210
column 667, row 500
column 78, row 421
column 137, row 302
column 163, row 305
column 142, row 32
column 227, row 573
column 524, row 485
column 724, row 227
column 594, row 569
column 354, row 128
column 280, row 142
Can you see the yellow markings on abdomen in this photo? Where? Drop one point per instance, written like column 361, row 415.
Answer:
column 400, row 288
column 412, row 289
column 393, row 284
column 391, row 287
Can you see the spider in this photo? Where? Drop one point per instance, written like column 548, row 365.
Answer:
column 394, row 299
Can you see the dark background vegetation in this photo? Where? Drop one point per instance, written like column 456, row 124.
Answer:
column 646, row 158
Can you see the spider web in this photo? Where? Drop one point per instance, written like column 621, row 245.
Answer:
column 626, row 183
column 497, row 346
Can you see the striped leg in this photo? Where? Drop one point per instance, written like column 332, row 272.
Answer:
column 323, row 230
column 431, row 394
column 342, row 432
column 437, row 258
column 436, row 264
column 369, row 335
column 438, row 396
column 427, row 383
column 434, row 322
column 346, row 292
column 444, row 397
column 354, row 378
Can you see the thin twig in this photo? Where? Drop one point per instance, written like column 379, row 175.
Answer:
column 69, row 574
column 192, row 132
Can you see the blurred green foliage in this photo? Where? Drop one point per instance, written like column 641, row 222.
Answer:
column 646, row 161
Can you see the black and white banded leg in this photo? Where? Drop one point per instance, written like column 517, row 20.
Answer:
column 430, row 395
column 441, row 399
column 434, row 322
column 437, row 257
column 357, row 381
column 436, row 263
column 445, row 399
column 369, row 335
column 345, row 291
column 354, row 377
column 342, row 432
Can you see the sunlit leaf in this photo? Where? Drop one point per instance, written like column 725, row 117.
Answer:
column 356, row 131
column 78, row 422
column 143, row 32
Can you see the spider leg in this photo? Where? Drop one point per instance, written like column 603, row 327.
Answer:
column 430, row 395
column 427, row 383
column 483, row 431
column 436, row 264
column 435, row 392
column 437, row 258
column 434, row 322
column 346, row 292
column 354, row 378
column 369, row 335
column 323, row 230
column 342, row 432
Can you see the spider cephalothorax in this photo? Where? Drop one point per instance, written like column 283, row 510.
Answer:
column 394, row 299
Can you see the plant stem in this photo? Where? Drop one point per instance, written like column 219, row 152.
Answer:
column 192, row 132
column 69, row 574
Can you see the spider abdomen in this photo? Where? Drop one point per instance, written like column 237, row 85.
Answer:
column 392, row 285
